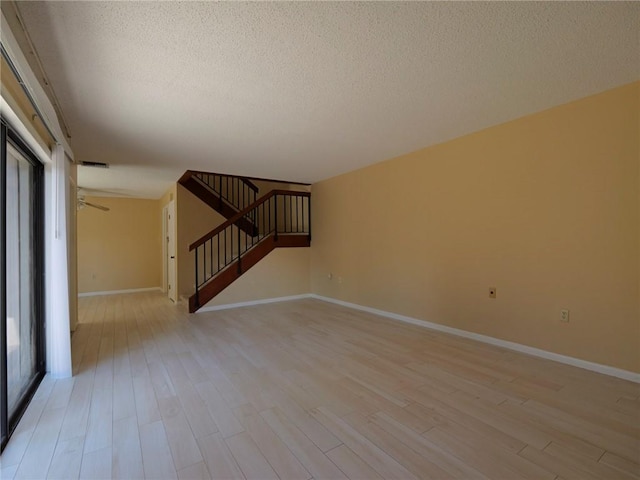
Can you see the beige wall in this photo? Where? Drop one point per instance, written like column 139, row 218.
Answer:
column 284, row 272
column 120, row 249
column 545, row 208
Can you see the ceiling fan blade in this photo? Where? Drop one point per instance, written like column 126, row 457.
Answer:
column 99, row 192
column 99, row 207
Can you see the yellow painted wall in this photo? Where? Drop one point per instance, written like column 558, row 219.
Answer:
column 284, row 272
column 120, row 249
column 545, row 208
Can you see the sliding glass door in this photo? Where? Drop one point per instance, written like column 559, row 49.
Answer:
column 22, row 279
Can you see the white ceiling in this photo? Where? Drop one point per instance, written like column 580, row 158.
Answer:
column 306, row 91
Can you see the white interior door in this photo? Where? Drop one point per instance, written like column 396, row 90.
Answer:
column 170, row 212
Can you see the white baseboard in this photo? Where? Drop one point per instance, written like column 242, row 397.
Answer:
column 536, row 352
column 254, row 302
column 116, row 292
column 576, row 362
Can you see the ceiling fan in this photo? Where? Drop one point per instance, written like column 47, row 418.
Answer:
column 82, row 202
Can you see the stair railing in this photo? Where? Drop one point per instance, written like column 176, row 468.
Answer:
column 280, row 212
column 238, row 192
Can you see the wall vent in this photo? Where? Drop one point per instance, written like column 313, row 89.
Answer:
column 94, row 164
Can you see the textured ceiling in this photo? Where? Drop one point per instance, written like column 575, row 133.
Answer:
column 306, row 91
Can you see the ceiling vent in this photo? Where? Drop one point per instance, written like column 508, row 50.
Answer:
column 94, row 164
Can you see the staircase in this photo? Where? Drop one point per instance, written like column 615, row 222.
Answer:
column 226, row 194
column 281, row 218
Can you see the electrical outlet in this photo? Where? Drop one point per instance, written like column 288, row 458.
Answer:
column 492, row 292
column 564, row 315
column 330, row 276
column 339, row 279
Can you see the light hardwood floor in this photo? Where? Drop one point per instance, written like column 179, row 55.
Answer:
column 306, row 389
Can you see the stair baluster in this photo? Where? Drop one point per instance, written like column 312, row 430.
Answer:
column 288, row 229
column 226, row 194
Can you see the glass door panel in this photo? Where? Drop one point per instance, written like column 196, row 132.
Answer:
column 21, row 304
column 22, row 364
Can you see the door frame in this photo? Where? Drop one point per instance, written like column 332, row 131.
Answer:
column 72, row 249
column 9, row 423
column 168, row 238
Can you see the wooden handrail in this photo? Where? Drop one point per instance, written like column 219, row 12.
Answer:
column 250, row 184
column 244, row 180
column 242, row 213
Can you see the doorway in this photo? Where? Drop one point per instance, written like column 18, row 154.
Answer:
column 72, row 239
column 169, row 249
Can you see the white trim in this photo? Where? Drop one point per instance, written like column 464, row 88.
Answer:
column 536, row 352
column 255, row 302
column 169, row 241
column 117, row 292
column 14, row 121
column 518, row 347
column 58, row 326
column 165, row 267
column 31, row 83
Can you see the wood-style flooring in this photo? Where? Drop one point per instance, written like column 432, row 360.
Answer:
column 306, row 389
